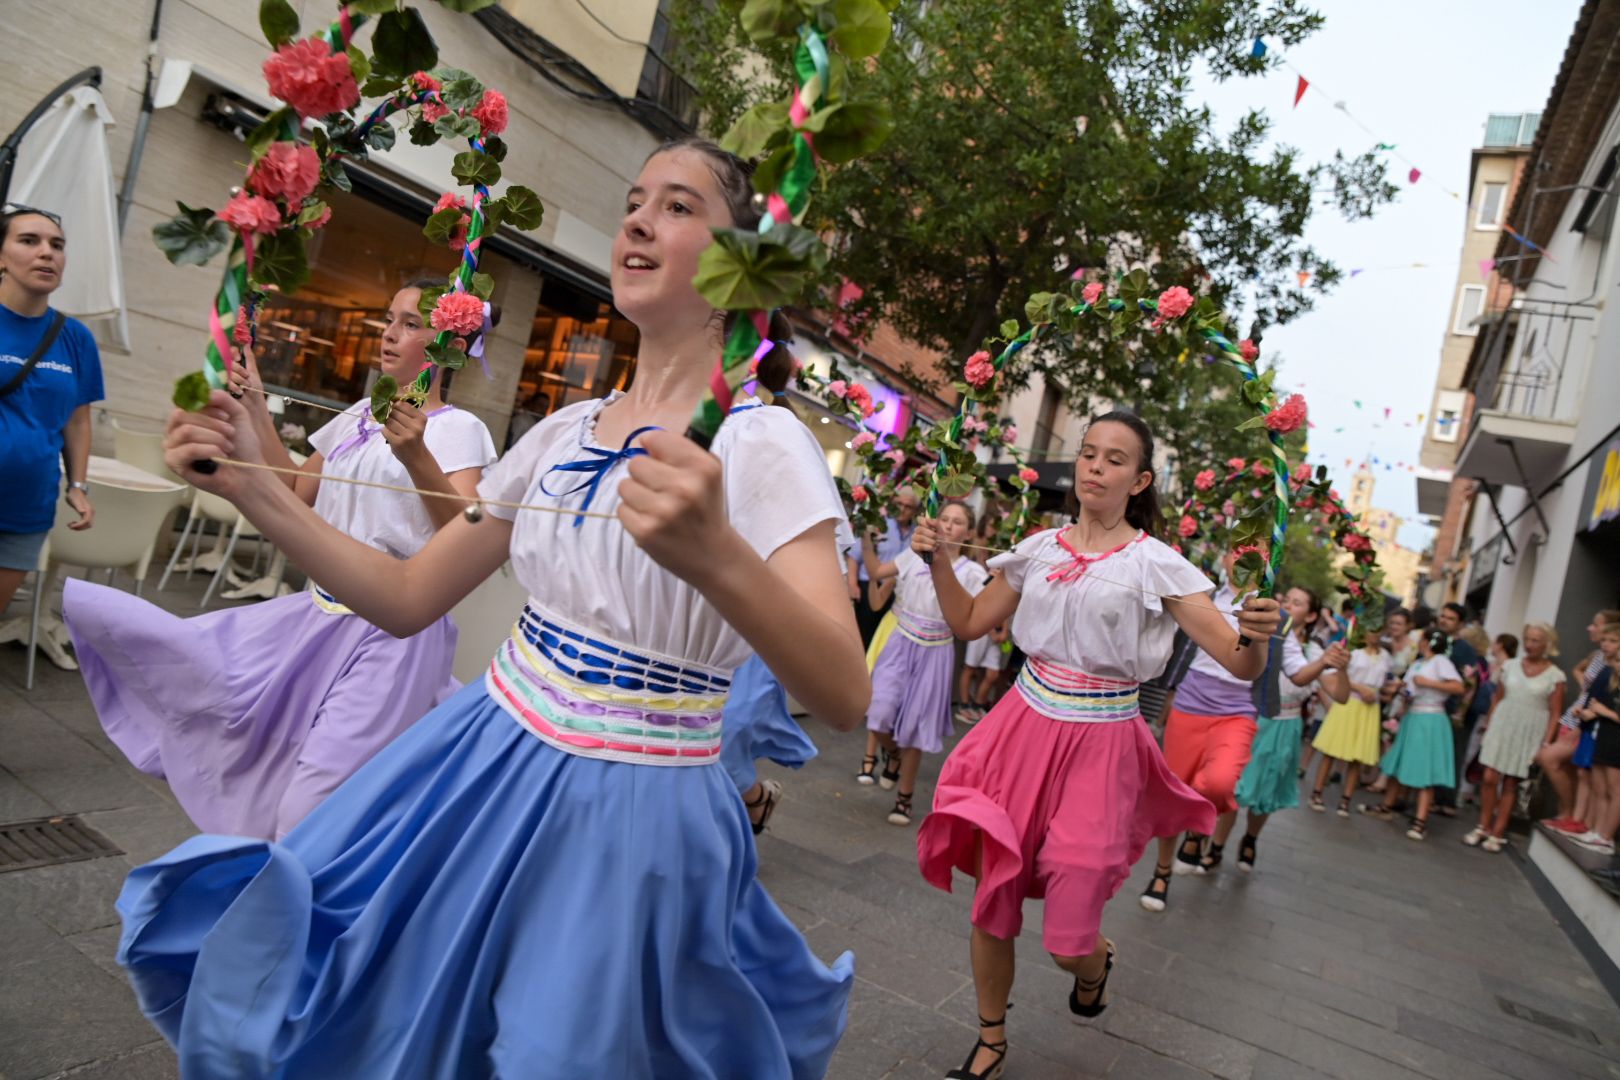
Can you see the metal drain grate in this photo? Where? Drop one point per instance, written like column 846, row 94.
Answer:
column 1548, row 1021
column 49, row 841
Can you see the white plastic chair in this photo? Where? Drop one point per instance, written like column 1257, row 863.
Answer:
column 206, row 508
column 124, row 537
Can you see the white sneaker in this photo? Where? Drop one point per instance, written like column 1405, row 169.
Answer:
column 1595, row 842
column 1475, row 835
column 1494, row 844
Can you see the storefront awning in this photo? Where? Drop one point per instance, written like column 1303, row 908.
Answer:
column 1521, row 451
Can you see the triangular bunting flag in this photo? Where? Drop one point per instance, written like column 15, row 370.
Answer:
column 1299, row 91
column 1412, row 177
column 1259, row 49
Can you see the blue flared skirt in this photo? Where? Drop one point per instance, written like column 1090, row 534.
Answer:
column 756, row 724
column 1270, row 781
column 1422, row 754
column 476, row 903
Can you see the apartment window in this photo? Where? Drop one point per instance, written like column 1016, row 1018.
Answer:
column 1470, row 305
column 1448, row 410
column 1491, row 198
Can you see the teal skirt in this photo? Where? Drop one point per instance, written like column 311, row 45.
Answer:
column 1422, row 754
column 1270, row 782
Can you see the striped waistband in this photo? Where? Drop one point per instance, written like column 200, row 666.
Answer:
column 1075, row 697
column 327, row 602
column 589, row 696
column 922, row 631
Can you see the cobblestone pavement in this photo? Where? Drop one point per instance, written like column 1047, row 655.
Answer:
column 1350, row 952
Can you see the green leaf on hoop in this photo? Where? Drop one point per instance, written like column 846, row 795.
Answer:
column 381, row 136
column 494, row 215
column 359, row 64
column 272, row 129
column 769, row 173
column 447, row 356
column 863, row 28
column 474, row 167
column 457, row 127
column 381, row 86
column 955, row 484
column 430, row 300
column 382, row 398
column 442, row 224
column 312, row 210
column 335, row 174
column 766, row 20
column 495, row 147
column 482, row 286
column 745, row 271
column 422, row 134
column 280, row 259
column 401, row 44
column 467, row 7
column 1009, row 329
column 521, row 208
column 851, row 130
column 191, row 391
column 371, row 7
column 279, row 22
column 757, row 130
column 461, row 91
column 192, row 237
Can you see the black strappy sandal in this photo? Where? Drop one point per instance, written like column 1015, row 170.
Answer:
column 1246, row 853
column 997, row 1048
column 868, row 773
column 1212, row 858
column 1316, row 801
column 891, row 770
column 1418, row 829
column 770, row 794
column 1344, row 807
column 1188, row 862
column 901, row 814
column 1078, row 1010
column 1157, row 894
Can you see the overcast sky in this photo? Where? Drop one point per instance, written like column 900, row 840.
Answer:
column 1423, row 74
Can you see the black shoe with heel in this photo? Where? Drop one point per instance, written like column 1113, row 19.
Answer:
column 1189, row 855
column 868, row 773
column 999, row 1048
column 1246, row 853
column 1212, row 858
column 1157, row 894
column 1096, row 989
column 891, row 770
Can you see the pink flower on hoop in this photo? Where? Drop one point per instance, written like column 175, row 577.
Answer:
column 433, row 112
column 251, row 214
column 974, row 426
column 491, row 113
column 858, row 494
column 1028, row 475
column 460, row 313
column 1204, row 480
column 423, row 81
column 311, row 78
column 1187, row 527
column 1356, row 542
column 863, row 440
column 458, row 235
column 1236, row 464
column 1243, row 549
column 1229, row 508
column 1248, row 350
column 1302, row 474
column 1009, row 434
column 837, row 388
column 861, row 398
column 1288, row 416
column 319, row 221
column 287, row 171
column 1174, row 302
column 242, row 332
column 1260, row 469
column 979, row 370
column 896, row 457
column 1092, row 293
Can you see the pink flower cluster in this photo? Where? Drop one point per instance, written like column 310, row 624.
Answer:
column 434, row 111
column 861, row 398
column 458, row 235
column 972, row 425
column 979, row 370
column 1187, row 527
column 1204, row 480
column 251, row 214
column 1288, row 416
column 242, row 332
column 1092, row 293
column 1009, row 435
column 423, row 81
column 1302, row 474
column 311, row 78
column 858, row 494
column 287, row 171
column 1260, row 469
column 491, row 113
column 1356, row 542
column 1028, row 475
column 1248, row 350
column 896, row 457
column 1243, row 549
column 1174, row 302
column 863, row 440
column 1229, row 508
column 1236, row 464
column 460, row 313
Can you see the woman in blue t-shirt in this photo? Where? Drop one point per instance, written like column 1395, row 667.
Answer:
column 45, row 412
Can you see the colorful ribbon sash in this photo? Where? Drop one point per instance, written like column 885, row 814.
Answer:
column 923, row 631
column 327, row 602
column 1075, row 697
column 593, row 697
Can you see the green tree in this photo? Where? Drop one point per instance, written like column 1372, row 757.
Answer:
column 1035, row 138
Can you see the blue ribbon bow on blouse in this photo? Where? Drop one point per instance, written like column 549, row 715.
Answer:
column 595, row 468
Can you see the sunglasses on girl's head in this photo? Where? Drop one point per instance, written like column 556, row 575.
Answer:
column 12, row 209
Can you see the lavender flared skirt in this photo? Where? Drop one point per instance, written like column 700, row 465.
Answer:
column 911, row 693
column 252, row 714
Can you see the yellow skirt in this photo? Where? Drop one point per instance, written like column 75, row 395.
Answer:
column 880, row 638
column 1350, row 732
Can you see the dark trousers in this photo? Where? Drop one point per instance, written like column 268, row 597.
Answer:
column 1447, row 796
column 867, row 619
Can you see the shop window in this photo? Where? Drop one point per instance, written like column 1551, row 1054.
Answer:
column 579, row 348
column 324, row 342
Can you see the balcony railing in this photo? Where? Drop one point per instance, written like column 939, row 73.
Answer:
column 1533, row 355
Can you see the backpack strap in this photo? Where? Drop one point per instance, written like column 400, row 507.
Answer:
column 40, row 350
